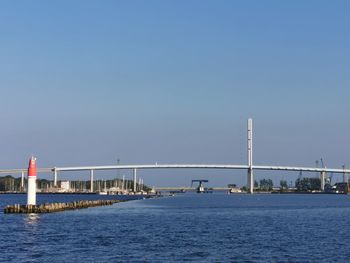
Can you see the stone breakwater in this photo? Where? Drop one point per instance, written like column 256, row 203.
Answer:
column 56, row 207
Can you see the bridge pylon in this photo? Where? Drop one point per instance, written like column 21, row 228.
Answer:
column 250, row 176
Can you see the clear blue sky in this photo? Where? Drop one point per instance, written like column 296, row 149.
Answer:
column 87, row 82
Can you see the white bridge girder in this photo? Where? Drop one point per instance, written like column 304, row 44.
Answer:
column 180, row 166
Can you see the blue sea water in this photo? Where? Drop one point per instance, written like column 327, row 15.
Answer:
column 187, row 227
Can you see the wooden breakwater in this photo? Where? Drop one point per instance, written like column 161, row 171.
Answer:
column 56, row 207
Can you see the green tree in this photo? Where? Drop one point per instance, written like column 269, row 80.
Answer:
column 308, row 184
column 283, row 184
column 256, row 184
column 266, row 185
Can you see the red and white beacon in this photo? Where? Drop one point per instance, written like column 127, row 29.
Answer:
column 31, row 192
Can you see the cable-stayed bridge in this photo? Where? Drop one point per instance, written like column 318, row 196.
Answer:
column 134, row 167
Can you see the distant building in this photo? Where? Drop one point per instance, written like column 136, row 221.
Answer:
column 65, row 186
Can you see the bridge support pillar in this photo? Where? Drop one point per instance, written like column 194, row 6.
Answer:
column 322, row 178
column 91, row 181
column 123, row 184
column 54, row 177
column 22, row 181
column 134, row 173
column 250, row 181
column 345, row 176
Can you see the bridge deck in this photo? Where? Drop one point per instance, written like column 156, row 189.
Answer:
column 179, row 166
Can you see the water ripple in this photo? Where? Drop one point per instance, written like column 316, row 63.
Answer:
column 190, row 228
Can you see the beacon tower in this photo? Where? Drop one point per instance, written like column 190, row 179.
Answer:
column 31, row 192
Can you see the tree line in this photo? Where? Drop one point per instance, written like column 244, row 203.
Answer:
column 305, row 184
